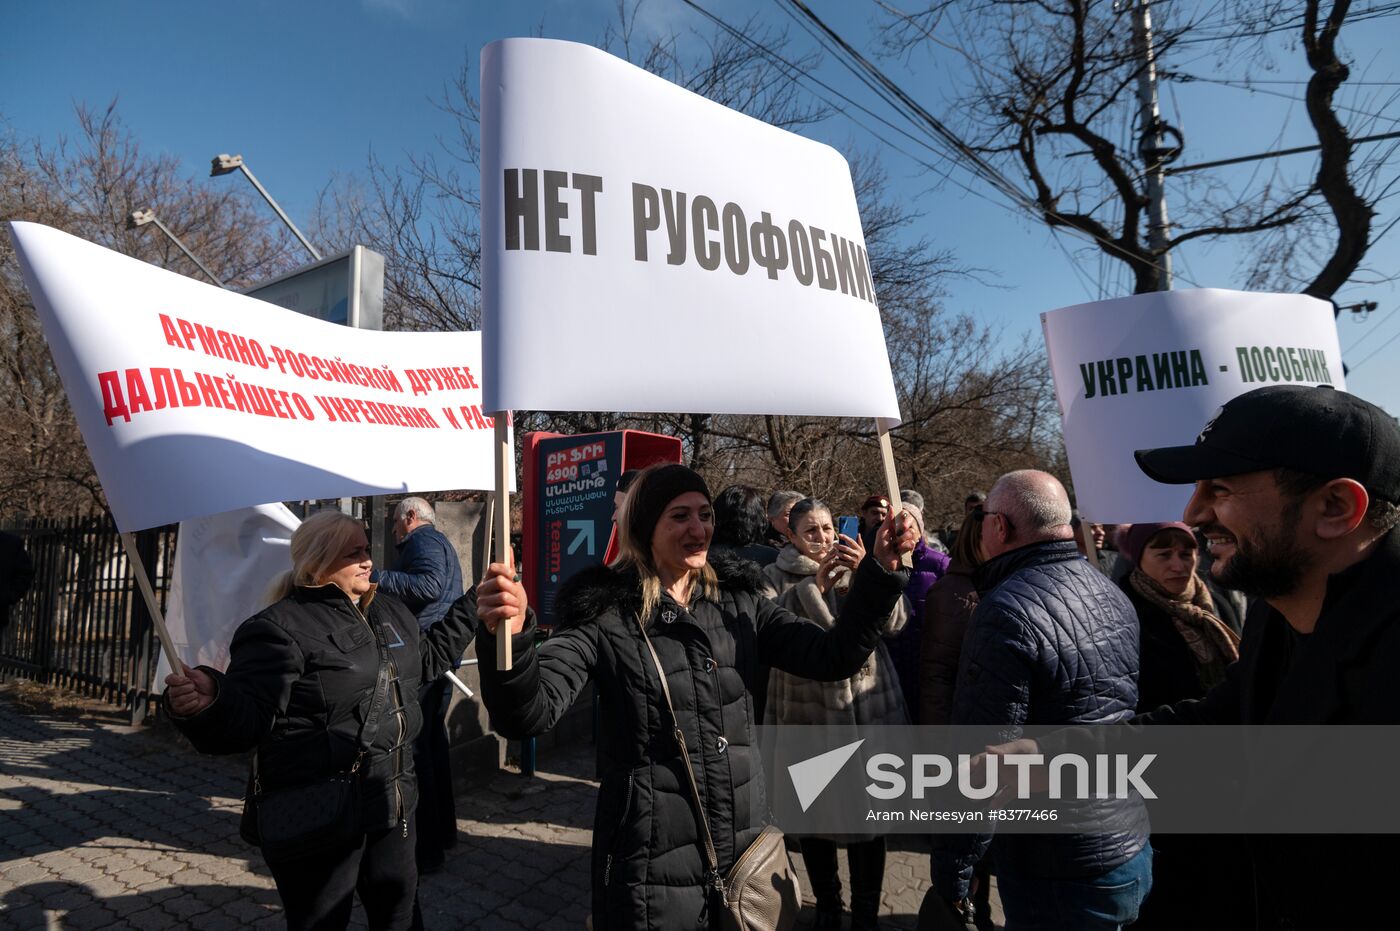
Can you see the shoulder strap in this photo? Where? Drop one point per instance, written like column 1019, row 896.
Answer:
column 712, row 858
column 369, row 727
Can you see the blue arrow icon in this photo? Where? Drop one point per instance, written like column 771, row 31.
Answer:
column 583, row 537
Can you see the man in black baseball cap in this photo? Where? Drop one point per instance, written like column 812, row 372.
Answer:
column 1297, row 493
column 1293, row 485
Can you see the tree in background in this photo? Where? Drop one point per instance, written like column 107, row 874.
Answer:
column 1051, row 100
column 88, row 186
column 972, row 409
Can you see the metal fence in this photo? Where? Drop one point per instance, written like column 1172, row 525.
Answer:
column 83, row 625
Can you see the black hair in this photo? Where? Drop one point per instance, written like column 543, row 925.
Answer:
column 625, row 480
column 740, row 516
column 803, row 508
column 1296, row 484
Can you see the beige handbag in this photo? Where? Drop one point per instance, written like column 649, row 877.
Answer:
column 761, row 892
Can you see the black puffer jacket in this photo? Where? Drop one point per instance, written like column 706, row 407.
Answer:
column 1053, row 641
column 648, row 868
column 1343, row 674
column 299, row 681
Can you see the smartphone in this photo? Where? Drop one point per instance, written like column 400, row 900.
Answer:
column 849, row 526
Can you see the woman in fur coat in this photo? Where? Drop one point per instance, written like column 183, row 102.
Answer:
column 812, row 578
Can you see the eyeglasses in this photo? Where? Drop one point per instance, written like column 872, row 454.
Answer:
column 982, row 514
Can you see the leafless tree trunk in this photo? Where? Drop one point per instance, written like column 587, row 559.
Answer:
column 1051, row 92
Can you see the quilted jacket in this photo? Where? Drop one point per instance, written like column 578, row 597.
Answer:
column 1053, row 641
column 429, row 577
column 648, row 870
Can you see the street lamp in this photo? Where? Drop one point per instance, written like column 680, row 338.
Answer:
column 228, row 164
column 139, row 218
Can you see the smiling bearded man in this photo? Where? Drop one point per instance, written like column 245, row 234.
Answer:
column 1296, row 493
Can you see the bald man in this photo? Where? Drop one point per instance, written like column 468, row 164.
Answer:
column 1052, row 641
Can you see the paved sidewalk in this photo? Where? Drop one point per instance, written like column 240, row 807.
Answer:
column 108, row 826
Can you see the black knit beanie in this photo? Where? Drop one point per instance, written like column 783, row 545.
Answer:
column 648, row 497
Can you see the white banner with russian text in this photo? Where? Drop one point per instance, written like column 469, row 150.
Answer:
column 194, row 400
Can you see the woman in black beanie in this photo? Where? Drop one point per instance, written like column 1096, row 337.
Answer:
column 712, row 629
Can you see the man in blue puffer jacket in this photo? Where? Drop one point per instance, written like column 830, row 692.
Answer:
column 1053, row 641
column 428, row 581
column 429, row 577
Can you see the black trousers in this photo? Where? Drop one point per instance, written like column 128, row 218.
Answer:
column 1202, row 882
column 437, row 814
column 318, row 892
column 867, row 862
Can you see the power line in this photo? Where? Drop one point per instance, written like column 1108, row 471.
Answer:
column 796, row 75
column 1373, row 352
column 957, row 150
column 1365, row 334
column 1281, row 152
column 1183, row 78
column 914, row 111
column 897, row 98
column 1252, row 81
column 1360, row 16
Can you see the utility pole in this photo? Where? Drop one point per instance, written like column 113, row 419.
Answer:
column 1152, row 144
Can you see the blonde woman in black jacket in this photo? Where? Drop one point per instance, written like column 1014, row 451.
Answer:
column 302, row 678
column 712, row 629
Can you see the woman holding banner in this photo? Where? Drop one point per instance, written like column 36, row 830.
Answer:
column 323, row 686
column 669, row 603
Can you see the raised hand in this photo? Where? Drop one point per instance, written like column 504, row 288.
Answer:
column 897, row 535
column 827, row 569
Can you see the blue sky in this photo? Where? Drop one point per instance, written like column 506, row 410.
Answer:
column 306, row 90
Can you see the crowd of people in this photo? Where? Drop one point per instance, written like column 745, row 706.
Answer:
column 718, row 613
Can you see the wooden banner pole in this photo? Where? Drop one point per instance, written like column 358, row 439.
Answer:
column 489, row 535
column 882, row 432
column 501, row 521
column 143, row 582
column 1087, row 529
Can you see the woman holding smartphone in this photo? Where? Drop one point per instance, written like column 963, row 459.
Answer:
column 811, row 579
